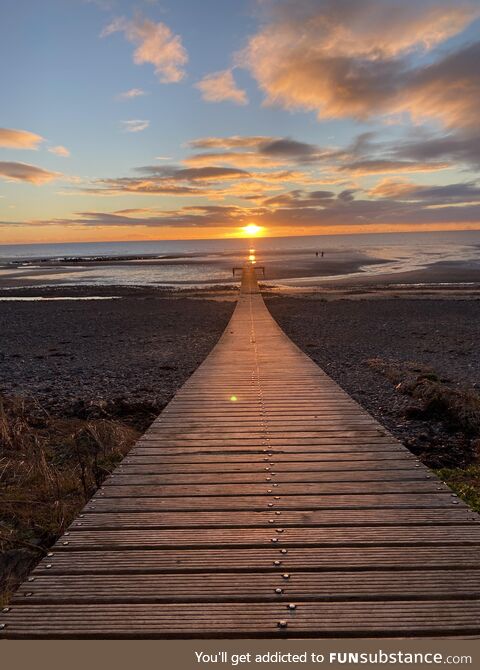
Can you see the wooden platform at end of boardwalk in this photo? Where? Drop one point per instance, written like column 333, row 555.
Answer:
column 263, row 502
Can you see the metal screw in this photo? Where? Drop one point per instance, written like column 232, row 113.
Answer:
column 291, row 606
column 50, row 553
column 274, row 539
column 278, row 513
column 270, row 504
column 67, row 533
column 3, row 626
column 48, row 566
column 278, row 590
column 31, row 579
column 65, row 543
column 276, row 497
column 277, row 562
column 28, row 594
column 271, row 521
column 268, row 479
column 267, row 468
column 279, row 530
column 284, row 551
column 282, row 624
column 286, row 575
column 6, row 609
column 269, row 490
column 275, row 485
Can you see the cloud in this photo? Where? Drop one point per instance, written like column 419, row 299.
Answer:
column 155, row 44
column 131, row 93
column 353, row 59
column 220, row 87
column 232, row 142
column 464, row 192
column 135, row 125
column 27, row 173
column 193, row 174
column 59, row 150
column 19, row 139
column 439, row 206
column 385, row 166
column 257, row 151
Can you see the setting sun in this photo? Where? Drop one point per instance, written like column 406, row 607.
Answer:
column 252, row 229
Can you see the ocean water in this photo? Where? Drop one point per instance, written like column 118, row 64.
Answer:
column 287, row 261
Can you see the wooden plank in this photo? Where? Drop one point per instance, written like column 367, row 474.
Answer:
column 313, row 502
column 190, row 620
column 253, row 587
column 110, row 490
column 306, row 518
column 264, row 560
column 265, row 537
column 124, row 478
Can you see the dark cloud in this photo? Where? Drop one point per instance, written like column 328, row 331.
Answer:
column 26, row 172
column 382, row 166
column 210, row 173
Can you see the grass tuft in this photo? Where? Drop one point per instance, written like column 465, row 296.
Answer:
column 49, row 468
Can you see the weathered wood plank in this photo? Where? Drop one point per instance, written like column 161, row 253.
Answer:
column 383, row 619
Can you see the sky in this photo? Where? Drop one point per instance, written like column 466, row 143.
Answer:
column 180, row 119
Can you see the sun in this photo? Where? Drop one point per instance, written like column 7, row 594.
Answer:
column 252, row 229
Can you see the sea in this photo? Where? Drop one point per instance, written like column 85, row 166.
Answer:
column 281, row 261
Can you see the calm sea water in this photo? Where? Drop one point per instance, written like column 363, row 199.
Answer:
column 288, row 260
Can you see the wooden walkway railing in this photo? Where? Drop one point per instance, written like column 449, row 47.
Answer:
column 263, row 502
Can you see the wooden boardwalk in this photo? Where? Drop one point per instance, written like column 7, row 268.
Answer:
column 263, row 502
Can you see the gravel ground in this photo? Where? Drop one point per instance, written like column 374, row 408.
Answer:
column 125, row 352
column 341, row 335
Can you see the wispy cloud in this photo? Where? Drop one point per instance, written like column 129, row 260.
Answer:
column 221, row 87
column 156, row 44
column 12, row 171
column 19, row 139
column 59, row 150
column 131, row 93
column 135, row 125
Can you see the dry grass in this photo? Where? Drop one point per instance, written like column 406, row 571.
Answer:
column 465, row 482
column 49, row 467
